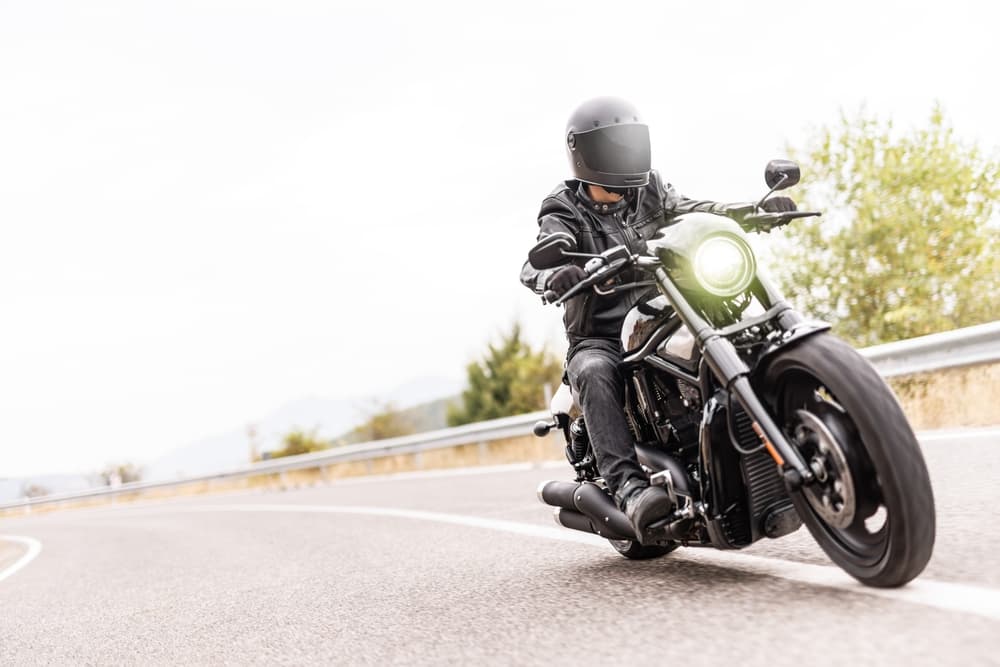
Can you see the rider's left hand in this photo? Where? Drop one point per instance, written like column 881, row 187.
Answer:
column 779, row 205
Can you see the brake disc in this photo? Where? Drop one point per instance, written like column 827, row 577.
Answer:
column 832, row 495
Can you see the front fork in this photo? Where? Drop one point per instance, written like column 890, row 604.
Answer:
column 727, row 365
column 732, row 372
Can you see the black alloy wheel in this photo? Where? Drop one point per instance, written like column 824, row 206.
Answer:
column 871, row 507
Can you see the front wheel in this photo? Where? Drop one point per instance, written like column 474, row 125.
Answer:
column 871, row 507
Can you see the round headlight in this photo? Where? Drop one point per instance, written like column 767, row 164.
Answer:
column 724, row 265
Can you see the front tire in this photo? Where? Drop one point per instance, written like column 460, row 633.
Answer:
column 872, row 507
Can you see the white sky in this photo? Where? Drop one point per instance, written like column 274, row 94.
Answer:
column 212, row 208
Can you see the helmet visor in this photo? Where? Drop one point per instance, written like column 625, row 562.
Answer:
column 616, row 149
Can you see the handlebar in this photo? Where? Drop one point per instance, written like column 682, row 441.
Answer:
column 765, row 222
column 615, row 259
column 601, row 273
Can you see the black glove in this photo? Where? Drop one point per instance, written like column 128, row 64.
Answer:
column 779, row 205
column 562, row 280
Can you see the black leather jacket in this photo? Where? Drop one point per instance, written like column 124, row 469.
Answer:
column 597, row 227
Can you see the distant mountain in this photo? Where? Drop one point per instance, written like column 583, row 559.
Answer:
column 428, row 416
column 423, row 390
column 330, row 417
column 13, row 488
column 423, row 400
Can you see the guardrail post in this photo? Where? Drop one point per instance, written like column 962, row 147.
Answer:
column 482, row 452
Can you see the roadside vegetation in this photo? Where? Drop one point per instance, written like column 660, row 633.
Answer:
column 509, row 379
column 382, row 420
column 299, row 441
column 120, row 473
column 909, row 241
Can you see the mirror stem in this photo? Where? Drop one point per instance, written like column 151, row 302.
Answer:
column 784, row 177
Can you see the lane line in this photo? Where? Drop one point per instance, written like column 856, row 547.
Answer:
column 942, row 595
column 971, row 433
column 34, row 548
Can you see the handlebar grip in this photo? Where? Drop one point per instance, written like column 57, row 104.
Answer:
column 550, row 296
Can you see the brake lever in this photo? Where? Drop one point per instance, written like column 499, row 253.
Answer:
column 588, row 282
column 571, row 292
column 624, row 288
column 765, row 222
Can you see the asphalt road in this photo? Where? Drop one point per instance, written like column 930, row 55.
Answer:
column 456, row 568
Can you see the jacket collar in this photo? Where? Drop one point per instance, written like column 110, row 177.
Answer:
column 599, row 207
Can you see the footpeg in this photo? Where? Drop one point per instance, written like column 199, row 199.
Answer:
column 542, row 428
column 666, row 480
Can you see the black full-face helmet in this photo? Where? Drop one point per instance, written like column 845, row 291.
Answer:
column 608, row 144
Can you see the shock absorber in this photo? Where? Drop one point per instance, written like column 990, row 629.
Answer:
column 578, row 440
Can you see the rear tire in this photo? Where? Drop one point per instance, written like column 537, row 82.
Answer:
column 825, row 392
column 632, row 550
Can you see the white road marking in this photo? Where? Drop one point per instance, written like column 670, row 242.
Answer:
column 34, row 548
column 947, row 596
column 972, row 433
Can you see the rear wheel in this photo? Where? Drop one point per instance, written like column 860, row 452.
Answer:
column 871, row 507
column 632, row 550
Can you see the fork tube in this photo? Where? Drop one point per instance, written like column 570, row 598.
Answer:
column 731, row 370
column 696, row 324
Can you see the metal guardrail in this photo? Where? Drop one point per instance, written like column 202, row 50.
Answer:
column 482, row 432
column 961, row 347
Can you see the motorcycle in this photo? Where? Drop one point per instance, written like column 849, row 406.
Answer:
column 752, row 417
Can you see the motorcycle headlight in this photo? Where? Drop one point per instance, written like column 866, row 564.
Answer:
column 724, row 265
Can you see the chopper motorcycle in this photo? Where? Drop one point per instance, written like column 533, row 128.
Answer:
column 753, row 418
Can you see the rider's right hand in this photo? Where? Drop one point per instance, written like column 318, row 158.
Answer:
column 564, row 279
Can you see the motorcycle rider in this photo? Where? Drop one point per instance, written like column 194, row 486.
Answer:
column 615, row 198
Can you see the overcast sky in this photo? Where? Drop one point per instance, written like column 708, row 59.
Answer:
column 212, row 208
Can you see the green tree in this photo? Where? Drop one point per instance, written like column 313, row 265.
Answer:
column 120, row 473
column 299, row 441
column 384, row 421
column 508, row 380
column 908, row 244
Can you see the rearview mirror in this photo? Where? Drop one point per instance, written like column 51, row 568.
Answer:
column 550, row 251
column 781, row 174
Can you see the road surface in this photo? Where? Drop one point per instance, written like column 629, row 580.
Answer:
column 468, row 567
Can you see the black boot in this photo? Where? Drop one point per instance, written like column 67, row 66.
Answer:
column 643, row 504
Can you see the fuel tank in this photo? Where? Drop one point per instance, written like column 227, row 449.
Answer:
column 654, row 320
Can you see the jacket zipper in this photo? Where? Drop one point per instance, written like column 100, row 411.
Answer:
column 625, row 234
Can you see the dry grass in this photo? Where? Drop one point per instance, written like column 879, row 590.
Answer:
column 956, row 397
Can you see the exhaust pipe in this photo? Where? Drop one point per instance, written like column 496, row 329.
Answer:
column 577, row 521
column 586, row 507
